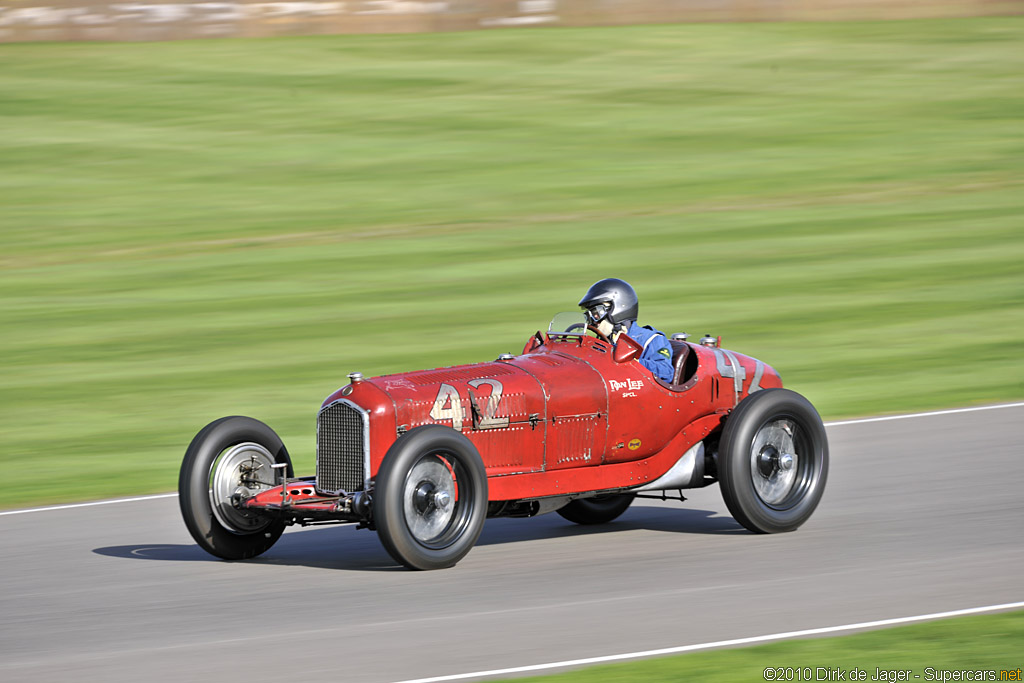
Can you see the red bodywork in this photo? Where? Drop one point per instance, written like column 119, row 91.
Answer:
column 571, row 414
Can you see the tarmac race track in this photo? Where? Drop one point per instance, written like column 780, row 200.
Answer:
column 920, row 515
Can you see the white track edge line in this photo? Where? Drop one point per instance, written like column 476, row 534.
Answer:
column 952, row 411
column 721, row 643
column 839, row 423
column 91, row 504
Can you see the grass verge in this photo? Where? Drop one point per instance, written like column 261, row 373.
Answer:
column 986, row 646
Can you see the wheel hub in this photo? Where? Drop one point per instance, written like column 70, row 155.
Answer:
column 771, row 461
column 774, row 462
column 238, row 473
column 429, row 494
column 423, row 497
column 767, row 461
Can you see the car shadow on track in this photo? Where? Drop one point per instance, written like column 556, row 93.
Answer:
column 688, row 521
column 336, row 547
column 345, row 547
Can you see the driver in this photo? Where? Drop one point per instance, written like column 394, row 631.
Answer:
column 611, row 307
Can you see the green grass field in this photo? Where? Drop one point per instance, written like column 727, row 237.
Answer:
column 197, row 229
column 985, row 643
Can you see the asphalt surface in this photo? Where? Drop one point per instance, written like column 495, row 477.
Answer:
column 920, row 515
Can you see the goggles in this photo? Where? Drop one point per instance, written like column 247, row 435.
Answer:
column 597, row 312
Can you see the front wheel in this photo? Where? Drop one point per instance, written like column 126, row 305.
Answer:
column 431, row 498
column 227, row 455
column 773, row 461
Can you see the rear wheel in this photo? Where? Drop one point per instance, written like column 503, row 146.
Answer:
column 227, row 455
column 773, row 461
column 431, row 498
column 597, row 510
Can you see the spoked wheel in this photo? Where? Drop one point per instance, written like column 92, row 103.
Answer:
column 773, row 461
column 431, row 498
column 597, row 510
column 231, row 455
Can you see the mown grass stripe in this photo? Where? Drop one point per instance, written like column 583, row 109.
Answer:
column 195, row 229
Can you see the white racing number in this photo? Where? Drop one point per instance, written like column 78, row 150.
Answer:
column 448, row 396
column 448, row 406
column 488, row 420
column 729, row 367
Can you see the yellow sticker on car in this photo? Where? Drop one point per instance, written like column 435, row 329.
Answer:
column 634, row 444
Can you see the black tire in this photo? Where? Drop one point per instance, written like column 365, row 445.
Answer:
column 211, row 469
column 597, row 510
column 431, row 497
column 773, row 461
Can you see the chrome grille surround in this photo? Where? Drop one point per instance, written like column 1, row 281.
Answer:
column 342, row 448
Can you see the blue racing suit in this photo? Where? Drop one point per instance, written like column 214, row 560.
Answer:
column 657, row 354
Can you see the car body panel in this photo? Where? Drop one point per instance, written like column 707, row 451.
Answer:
column 565, row 417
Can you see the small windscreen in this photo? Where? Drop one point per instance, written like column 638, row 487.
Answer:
column 570, row 322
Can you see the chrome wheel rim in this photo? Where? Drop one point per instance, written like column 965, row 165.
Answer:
column 777, row 468
column 434, row 512
column 244, row 468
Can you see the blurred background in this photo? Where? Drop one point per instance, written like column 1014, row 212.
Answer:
column 192, row 229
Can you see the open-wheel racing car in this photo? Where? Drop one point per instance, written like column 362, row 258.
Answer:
column 574, row 424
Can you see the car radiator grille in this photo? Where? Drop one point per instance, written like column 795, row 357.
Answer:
column 340, row 440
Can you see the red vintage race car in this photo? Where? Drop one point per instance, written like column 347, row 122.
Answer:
column 574, row 424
